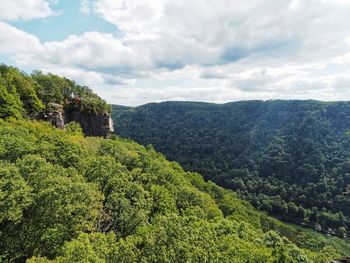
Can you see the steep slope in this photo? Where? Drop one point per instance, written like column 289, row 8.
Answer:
column 72, row 198
column 65, row 197
column 54, row 99
column 289, row 158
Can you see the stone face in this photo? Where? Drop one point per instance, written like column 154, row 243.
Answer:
column 343, row 260
column 92, row 124
column 54, row 115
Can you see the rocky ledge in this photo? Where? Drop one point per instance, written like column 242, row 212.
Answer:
column 93, row 124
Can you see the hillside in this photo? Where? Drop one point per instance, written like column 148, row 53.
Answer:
column 71, row 198
column 289, row 158
column 52, row 98
column 65, row 197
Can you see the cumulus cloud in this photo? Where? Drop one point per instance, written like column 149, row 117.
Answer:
column 211, row 32
column 96, row 51
column 18, row 44
column 214, row 50
column 25, row 9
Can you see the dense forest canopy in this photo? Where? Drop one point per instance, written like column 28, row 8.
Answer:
column 289, row 158
column 23, row 95
column 66, row 197
column 69, row 198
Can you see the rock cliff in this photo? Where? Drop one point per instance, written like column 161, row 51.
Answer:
column 93, row 124
column 344, row 260
column 54, row 115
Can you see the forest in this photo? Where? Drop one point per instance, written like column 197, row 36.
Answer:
column 23, row 95
column 68, row 197
column 288, row 158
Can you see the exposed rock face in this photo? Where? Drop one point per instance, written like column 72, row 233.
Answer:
column 344, row 260
column 92, row 124
column 54, row 115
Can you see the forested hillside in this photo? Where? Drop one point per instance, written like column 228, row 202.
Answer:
column 29, row 95
column 289, row 158
column 65, row 197
column 51, row 98
column 73, row 199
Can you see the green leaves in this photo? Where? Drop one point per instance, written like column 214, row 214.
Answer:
column 22, row 95
column 62, row 205
column 282, row 250
column 10, row 106
column 281, row 156
column 53, row 88
column 67, row 198
column 15, row 194
column 22, row 91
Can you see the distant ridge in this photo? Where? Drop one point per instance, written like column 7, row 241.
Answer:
column 290, row 158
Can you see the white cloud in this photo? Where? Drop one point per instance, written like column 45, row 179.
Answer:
column 131, row 16
column 25, row 9
column 96, row 51
column 85, row 6
column 17, row 44
column 211, row 32
column 214, row 50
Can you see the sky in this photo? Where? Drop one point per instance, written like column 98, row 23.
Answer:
column 133, row 52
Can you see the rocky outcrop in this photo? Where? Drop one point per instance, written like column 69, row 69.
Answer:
column 93, row 124
column 343, row 260
column 54, row 115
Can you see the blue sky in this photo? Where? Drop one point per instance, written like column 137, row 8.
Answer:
column 68, row 21
column 133, row 52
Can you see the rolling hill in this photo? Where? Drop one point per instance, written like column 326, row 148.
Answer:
column 69, row 197
column 289, row 158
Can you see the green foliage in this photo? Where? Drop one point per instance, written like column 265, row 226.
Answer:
column 69, row 198
column 15, row 194
column 23, row 87
column 52, row 88
column 22, row 95
column 9, row 105
column 94, row 247
column 288, row 158
column 64, row 91
column 283, row 250
column 73, row 128
column 63, row 205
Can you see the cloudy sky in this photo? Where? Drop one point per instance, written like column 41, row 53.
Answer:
column 134, row 51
